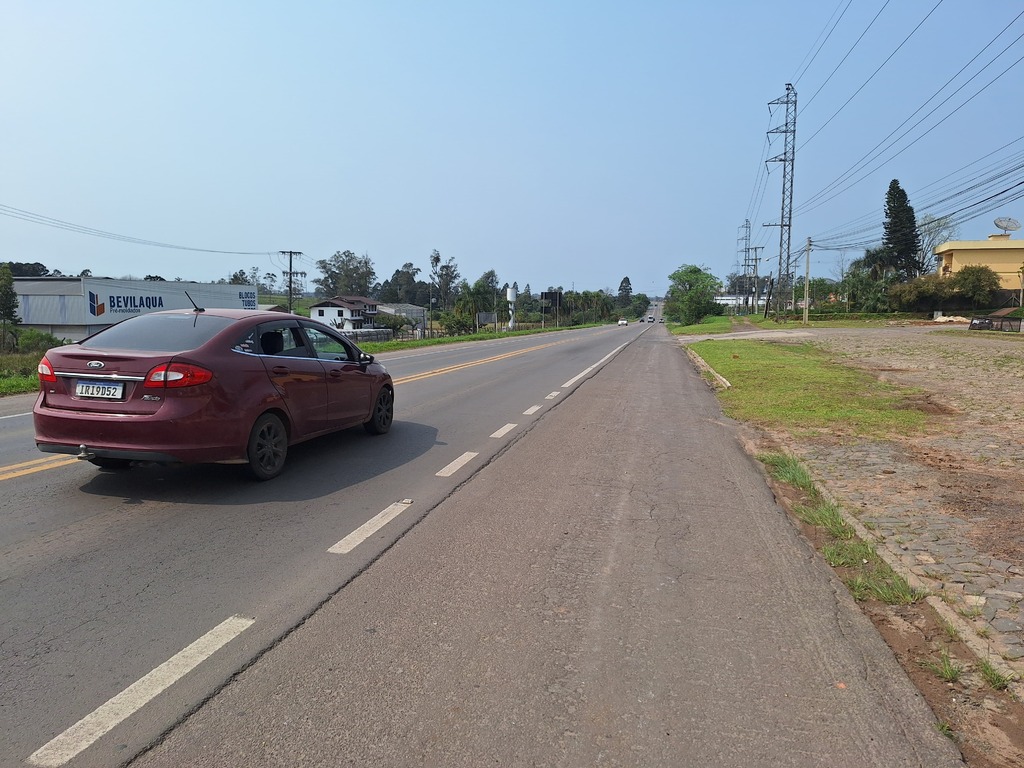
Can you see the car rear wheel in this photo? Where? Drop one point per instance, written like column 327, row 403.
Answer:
column 383, row 413
column 268, row 447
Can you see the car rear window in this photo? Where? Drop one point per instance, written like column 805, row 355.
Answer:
column 160, row 333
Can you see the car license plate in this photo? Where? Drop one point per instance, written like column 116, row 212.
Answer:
column 101, row 389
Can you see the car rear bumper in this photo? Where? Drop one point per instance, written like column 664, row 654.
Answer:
column 86, row 452
column 166, row 440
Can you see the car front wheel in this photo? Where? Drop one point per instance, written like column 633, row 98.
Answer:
column 383, row 413
column 268, row 447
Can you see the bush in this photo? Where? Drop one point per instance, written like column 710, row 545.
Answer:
column 36, row 341
column 977, row 283
column 456, row 325
column 922, row 294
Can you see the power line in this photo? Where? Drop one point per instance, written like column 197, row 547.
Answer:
column 816, row 199
column 855, row 44
column 796, row 78
column 47, row 221
column 864, row 84
column 983, row 177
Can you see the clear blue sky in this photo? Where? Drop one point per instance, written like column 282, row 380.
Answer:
column 562, row 143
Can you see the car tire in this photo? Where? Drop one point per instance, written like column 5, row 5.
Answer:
column 383, row 413
column 107, row 463
column 268, row 447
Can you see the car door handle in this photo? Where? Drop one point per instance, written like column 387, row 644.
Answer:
column 335, row 373
column 281, row 370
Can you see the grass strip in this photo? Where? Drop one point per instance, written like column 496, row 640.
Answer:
column 797, row 386
column 711, row 324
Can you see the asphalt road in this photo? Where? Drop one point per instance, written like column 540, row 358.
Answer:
column 616, row 586
column 128, row 598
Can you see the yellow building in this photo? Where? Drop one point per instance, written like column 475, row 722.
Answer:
column 1002, row 255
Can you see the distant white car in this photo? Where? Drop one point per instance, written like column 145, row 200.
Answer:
column 623, row 321
column 650, row 318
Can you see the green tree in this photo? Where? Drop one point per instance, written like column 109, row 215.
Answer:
column 864, row 290
column 639, row 305
column 976, row 282
column 900, row 240
column 625, row 295
column 821, row 290
column 237, row 278
column 24, row 269
column 527, row 305
column 691, row 296
column 345, row 274
column 445, row 278
column 402, row 288
column 154, row 278
column 877, row 264
column 8, row 308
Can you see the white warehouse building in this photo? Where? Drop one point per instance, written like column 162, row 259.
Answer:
column 75, row 307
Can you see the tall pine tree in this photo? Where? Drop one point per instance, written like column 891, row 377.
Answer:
column 901, row 240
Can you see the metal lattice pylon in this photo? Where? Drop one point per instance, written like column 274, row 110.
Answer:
column 787, row 158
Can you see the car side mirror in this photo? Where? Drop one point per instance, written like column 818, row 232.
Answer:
column 365, row 359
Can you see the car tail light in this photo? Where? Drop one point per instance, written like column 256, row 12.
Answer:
column 46, row 371
column 177, row 375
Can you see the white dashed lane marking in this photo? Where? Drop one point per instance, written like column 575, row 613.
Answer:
column 91, row 727
column 370, row 527
column 458, row 464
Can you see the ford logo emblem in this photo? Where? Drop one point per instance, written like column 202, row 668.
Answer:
column 94, row 364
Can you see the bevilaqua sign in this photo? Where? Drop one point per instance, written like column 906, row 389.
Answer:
column 113, row 300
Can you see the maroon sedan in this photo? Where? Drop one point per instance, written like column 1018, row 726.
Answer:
column 214, row 385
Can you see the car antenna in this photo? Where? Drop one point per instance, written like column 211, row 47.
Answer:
column 198, row 308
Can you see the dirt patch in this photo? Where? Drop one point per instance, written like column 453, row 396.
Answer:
column 987, row 725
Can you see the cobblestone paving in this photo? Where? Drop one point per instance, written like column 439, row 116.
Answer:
column 947, row 504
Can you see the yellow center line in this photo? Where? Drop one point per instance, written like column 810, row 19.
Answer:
column 462, row 366
column 36, row 465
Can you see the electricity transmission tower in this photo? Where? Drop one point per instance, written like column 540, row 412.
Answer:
column 787, row 158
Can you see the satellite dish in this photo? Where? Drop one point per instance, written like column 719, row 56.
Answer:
column 1007, row 224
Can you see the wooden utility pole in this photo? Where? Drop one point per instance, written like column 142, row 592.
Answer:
column 807, row 281
column 291, row 273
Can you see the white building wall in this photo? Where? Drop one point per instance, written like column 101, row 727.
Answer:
column 74, row 308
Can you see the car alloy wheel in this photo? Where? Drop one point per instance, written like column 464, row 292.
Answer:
column 383, row 413
column 268, row 447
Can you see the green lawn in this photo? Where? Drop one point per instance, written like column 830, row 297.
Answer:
column 798, row 387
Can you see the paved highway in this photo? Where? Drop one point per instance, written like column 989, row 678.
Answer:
column 128, row 598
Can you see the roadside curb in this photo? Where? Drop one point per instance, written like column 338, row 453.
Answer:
column 706, row 369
